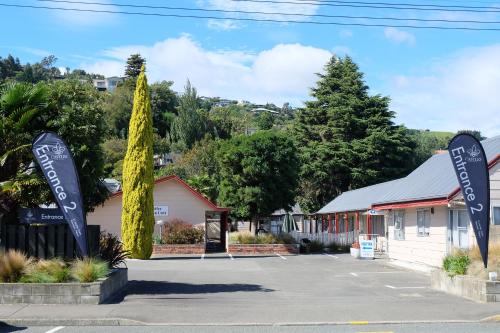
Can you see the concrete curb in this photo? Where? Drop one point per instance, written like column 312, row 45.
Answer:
column 130, row 322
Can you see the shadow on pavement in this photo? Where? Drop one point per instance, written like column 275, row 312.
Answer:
column 141, row 287
column 5, row 328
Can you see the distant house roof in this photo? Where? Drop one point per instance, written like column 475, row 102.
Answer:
column 360, row 199
column 296, row 210
column 434, row 179
column 189, row 188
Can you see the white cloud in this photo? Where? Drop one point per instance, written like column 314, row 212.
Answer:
column 345, row 33
column 280, row 74
column 83, row 15
column 222, row 25
column 399, row 36
column 456, row 92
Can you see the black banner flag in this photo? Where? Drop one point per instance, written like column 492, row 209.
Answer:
column 471, row 166
column 56, row 162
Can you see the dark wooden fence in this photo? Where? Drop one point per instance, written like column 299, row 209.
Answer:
column 46, row 241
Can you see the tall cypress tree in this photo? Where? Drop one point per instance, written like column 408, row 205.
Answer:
column 138, row 212
column 346, row 138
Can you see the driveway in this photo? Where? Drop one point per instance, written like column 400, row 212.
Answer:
column 312, row 290
column 293, row 289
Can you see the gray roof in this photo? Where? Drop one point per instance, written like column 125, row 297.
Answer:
column 360, row 199
column 296, row 210
column 435, row 178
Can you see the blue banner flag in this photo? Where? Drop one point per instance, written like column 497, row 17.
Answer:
column 58, row 167
column 471, row 166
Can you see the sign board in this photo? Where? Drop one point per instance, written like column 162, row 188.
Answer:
column 367, row 249
column 375, row 212
column 161, row 210
column 41, row 216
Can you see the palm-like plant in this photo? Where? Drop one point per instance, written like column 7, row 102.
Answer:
column 21, row 112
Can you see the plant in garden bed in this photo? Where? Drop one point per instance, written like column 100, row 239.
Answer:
column 312, row 247
column 476, row 267
column 456, row 264
column 249, row 238
column 47, row 271
column 13, row 264
column 89, row 270
column 338, row 248
column 177, row 231
column 111, row 250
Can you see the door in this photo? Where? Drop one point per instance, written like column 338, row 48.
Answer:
column 458, row 233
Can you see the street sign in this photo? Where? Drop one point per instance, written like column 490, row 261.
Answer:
column 367, row 249
column 41, row 216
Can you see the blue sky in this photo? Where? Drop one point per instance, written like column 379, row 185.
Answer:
column 440, row 80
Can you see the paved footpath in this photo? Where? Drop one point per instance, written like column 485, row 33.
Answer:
column 301, row 290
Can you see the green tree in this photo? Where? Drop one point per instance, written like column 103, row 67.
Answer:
column 347, row 138
column 69, row 108
column 265, row 120
column 137, row 212
column 118, row 108
column 9, row 67
column 134, row 64
column 164, row 107
column 114, row 152
column 191, row 124
column 258, row 174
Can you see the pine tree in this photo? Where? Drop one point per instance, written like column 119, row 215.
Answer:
column 134, row 65
column 346, row 137
column 137, row 212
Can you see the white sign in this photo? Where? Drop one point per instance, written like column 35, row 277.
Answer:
column 161, row 210
column 375, row 212
column 366, row 249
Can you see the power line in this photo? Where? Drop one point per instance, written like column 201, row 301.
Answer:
column 392, row 6
column 249, row 19
column 273, row 13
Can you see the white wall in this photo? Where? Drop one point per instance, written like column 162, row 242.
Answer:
column 182, row 204
column 428, row 250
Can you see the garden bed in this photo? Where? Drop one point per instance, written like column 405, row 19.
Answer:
column 466, row 286
column 264, row 248
column 64, row 293
column 179, row 248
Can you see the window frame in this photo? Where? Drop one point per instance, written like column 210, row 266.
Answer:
column 493, row 221
column 426, row 229
column 399, row 233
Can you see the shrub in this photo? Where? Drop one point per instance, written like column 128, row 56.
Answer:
column 287, row 239
column 476, row 267
column 456, row 264
column 338, row 248
column 89, row 270
column 111, row 250
column 179, row 232
column 47, row 271
column 13, row 265
column 312, row 247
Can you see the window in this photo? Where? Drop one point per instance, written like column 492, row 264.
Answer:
column 423, row 222
column 398, row 216
column 496, row 215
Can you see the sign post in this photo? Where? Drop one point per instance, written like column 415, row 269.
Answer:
column 58, row 167
column 471, row 167
column 367, row 249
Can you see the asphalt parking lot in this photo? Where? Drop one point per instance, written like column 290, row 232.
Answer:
column 294, row 289
column 309, row 291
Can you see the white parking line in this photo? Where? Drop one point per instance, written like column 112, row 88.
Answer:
column 55, row 329
column 230, row 256
column 392, row 287
column 203, row 256
column 279, row 255
column 354, row 274
column 332, row 256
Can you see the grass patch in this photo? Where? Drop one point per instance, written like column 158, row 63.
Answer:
column 476, row 267
column 13, row 265
column 89, row 270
